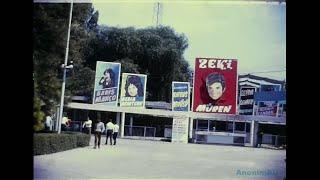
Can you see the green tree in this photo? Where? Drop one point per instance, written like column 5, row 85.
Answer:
column 82, row 82
column 157, row 52
column 38, row 115
column 50, row 25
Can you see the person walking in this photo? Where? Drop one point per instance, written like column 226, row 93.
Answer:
column 87, row 125
column 115, row 133
column 109, row 131
column 98, row 131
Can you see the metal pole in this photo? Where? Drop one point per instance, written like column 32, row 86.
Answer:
column 245, row 131
column 190, row 127
column 245, row 127
column 233, row 124
column 118, row 118
column 65, row 70
column 197, row 125
column 277, row 112
column 157, row 13
column 195, row 132
column 131, row 124
column 252, row 133
column 123, row 117
column 57, row 119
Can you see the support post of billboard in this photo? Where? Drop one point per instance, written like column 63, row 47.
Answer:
column 254, row 133
column 57, row 119
column 118, row 118
column 251, row 133
column 277, row 114
column 123, row 117
column 131, row 124
column 190, row 128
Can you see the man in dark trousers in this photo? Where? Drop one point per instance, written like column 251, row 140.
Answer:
column 115, row 133
column 260, row 134
column 97, row 135
column 109, row 128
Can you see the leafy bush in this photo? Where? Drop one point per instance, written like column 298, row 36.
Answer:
column 38, row 115
column 46, row 143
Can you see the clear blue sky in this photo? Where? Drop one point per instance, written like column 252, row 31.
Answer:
column 252, row 32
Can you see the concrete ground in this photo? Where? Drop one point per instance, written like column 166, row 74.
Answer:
column 139, row 159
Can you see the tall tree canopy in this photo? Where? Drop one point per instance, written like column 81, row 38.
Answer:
column 50, row 27
column 155, row 51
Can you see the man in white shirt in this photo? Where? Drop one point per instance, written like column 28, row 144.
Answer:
column 87, row 125
column 48, row 123
column 65, row 123
column 98, row 131
column 115, row 133
column 109, row 128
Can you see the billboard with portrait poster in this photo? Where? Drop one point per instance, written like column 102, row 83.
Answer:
column 215, row 86
column 106, row 86
column 133, row 90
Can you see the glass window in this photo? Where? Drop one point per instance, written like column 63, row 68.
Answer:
column 230, row 127
column 202, row 124
column 221, row 126
column 212, row 125
column 248, row 127
column 239, row 127
column 270, row 87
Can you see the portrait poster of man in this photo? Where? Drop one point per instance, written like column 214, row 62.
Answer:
column 215, row 86
column 133, row 90
column 180, row 96
column 106, row 86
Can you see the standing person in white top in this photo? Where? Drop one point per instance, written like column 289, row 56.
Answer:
column 65, row 122
column 88, row 125
column 109, row 128
column 98, row 131
column 115, row 133
column 48, row 123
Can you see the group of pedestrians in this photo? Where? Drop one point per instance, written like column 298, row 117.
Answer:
column 111, row 130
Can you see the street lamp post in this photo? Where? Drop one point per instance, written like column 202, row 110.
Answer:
column 65, row 67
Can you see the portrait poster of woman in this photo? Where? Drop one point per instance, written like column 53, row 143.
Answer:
column 133, row 90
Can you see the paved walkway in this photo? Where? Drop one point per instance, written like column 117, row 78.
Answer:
column 138, row 159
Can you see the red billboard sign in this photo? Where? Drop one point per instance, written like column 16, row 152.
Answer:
column 215, row 86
